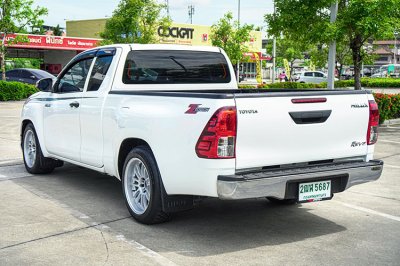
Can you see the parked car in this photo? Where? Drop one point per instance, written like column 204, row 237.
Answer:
column 179, row 129
column 313, row 77
column 27, row 75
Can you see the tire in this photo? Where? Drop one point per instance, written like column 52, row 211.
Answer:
column 141, row 185
column 35, row 162
column 282, row 201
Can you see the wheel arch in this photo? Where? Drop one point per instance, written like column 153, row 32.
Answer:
column 125, row 147
column 24, row 123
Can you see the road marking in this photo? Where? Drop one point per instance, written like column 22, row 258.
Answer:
column 389, row 141
column 391, row 217
column 393, row 166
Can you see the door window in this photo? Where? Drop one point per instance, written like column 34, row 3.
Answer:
column 74, row 79
column 99, row 72
column 318, row 75
column 308, row 74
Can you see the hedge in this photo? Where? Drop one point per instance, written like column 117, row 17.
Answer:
column 290, row 85
column 389, row 106
column 14, row 91
column 365, row 82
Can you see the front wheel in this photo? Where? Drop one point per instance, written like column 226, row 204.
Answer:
column 141, row 183
column 35, row 162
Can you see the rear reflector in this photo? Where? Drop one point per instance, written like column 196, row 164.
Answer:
column 217, row 141
column 309, row 100
column 372, row 133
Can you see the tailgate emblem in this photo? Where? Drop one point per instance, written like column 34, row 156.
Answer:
column 195, row 108
column 363, row 105
column 248, row 112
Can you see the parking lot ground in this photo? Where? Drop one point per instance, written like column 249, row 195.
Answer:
column 78, row 216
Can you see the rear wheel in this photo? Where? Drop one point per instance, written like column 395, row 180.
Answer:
column 282, row 201
column 141, row 183
column 35, row 162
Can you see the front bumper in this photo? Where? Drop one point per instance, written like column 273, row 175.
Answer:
column 283, row 183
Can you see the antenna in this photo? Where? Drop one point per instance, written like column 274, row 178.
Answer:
column 191, row 13
column 167, row 5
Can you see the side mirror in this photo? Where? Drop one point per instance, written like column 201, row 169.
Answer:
column 32, row 77
column 45, row 84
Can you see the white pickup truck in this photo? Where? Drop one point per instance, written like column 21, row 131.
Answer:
column 171, row 124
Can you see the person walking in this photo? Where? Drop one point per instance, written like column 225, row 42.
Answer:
column 282, row 76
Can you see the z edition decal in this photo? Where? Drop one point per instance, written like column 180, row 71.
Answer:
column 195, row 108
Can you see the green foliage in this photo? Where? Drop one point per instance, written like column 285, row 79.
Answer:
column 24, row 63
column 368, row 83
column 389, row 106
column 135, row 21
column 57, row 31
column 231, row 37
column 290, row 85
column 14, row 91
column 357, row 22
column 247, row 86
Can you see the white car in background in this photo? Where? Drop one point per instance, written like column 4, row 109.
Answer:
column 313, row 77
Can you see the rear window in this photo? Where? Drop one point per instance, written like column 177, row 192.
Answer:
column 175, row 67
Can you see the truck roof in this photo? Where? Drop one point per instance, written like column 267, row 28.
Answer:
column 163, row 47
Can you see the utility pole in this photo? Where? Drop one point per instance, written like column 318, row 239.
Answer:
column 395, row 48
column 238, row 63
column 332, row 51
column 191, row 13
column 273, row 53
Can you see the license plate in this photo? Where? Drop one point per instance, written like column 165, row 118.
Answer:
column 314, row 191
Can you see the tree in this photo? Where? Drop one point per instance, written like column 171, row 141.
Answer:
column 357, row 22
column 135, row 21
column 291, row 50
column 231, row 37
column 57, row 31
column 15, row 16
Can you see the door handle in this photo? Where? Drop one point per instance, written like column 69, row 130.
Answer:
column 74, row 104
column 47, row 105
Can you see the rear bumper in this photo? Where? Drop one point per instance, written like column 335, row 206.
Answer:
column 283, row 183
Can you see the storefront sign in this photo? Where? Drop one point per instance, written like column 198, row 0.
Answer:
column 51, row 42
column 176, row 32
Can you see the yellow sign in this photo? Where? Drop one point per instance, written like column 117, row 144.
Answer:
column 189, row 34
column 258, row 68
column 287, row 68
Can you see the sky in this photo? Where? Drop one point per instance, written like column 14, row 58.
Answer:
column 206, row 12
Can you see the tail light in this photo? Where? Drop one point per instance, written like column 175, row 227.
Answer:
column 218, row 139
column 372, row 134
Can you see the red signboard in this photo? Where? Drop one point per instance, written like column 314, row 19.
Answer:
column 52, row 42
column 261, row 56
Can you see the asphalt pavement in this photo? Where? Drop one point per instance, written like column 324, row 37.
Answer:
column 78, row 216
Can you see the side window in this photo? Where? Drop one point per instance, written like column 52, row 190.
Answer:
column 74, row 79
column 308, row 74
column 99, row 72
column 26, row 74
column 12, row 73
column 319, row 75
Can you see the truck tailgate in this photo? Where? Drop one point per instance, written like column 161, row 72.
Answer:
column 272, row 130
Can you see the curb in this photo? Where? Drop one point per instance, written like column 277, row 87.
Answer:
column 391, row 122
